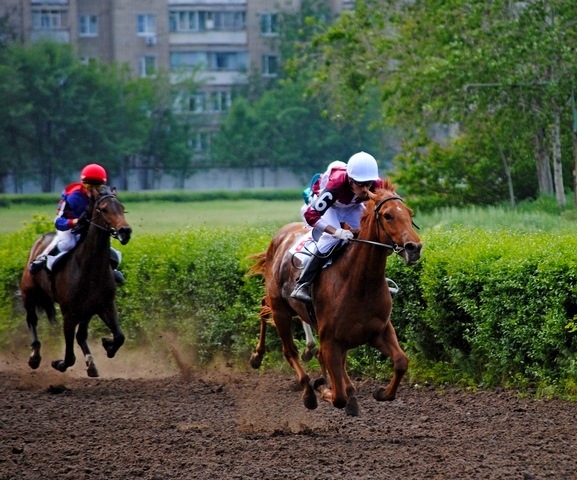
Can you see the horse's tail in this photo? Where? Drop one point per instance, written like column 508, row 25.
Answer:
column 259, row 265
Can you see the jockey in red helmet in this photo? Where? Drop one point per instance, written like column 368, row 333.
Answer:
column 72, row 213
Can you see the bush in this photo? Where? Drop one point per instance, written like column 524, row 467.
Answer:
column 483, row 307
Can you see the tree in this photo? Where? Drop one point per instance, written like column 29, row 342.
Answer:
column 285, row 124
column 57, row 114
column 425, row 55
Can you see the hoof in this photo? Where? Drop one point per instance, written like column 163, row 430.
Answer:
column 380, row 394
column 310, row 400
column 255, row 361
column 91, row 369
column 108, row 345
column 59, row 365
column 317, row 383
column 309, row 354
column 352, row 407
column 339, row 403
column 34, row 362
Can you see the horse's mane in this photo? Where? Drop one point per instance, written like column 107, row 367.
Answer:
column 387, row 190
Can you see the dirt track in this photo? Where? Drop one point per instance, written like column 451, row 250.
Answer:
column 225, row 424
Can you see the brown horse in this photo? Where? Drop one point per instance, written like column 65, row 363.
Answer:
column 351, row 299
column 82, row 283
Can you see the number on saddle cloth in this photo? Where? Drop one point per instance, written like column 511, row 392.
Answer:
column 308, row 192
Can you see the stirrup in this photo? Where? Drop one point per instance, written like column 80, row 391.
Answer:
column 393, row 287
column 301, row 292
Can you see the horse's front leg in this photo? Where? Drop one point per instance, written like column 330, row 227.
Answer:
column 110, row 317
column 69, row 357
column 388, row 344
column 352, row 407
column 82, row 340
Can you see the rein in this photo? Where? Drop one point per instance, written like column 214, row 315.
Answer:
column 392, row 246
column 112, row 231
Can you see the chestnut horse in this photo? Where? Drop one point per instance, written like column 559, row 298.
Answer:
column 351, row 299
column 82, row 283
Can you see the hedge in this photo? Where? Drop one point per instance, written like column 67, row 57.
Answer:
column 484, row 308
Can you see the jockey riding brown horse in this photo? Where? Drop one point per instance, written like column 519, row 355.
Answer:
column 351, row 298
column 82, row 283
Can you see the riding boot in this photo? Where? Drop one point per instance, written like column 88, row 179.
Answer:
column 40, row 261
column 118, row 277
column 302, row 289
column 115, row 259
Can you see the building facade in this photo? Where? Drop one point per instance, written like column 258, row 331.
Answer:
column 223, row 41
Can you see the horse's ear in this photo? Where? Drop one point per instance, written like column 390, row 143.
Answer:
column 372, row 196
column 114, row 191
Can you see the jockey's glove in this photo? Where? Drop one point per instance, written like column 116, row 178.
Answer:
column 344, row 235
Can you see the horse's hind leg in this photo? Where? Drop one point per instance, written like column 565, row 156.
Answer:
column 81, row 339
column 257, row 356
column 110, row 317
column 32, row 321
column 283, row 323
column 388, row 344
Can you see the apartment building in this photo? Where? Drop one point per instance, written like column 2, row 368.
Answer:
column 229, row 37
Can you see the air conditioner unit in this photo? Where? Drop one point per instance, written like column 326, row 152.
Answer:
column 151, row 41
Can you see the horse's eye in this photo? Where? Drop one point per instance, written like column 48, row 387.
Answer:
column 388, row 217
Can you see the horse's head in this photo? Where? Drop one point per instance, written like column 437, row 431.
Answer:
column 393, row 223
column 108, row 214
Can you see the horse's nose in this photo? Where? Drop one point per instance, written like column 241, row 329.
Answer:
column 413, row 251
column 124, row 234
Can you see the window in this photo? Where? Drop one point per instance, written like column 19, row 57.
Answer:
column 269, row 65
column 196, row 102
column 209, row 60
column 146, row 24
column 199, row 21
column 201, row 142
column 219, row 101
column 87, row 60
column 147, row 66
column 88, row 25
column 269, row 24
column 229, row 20
column 180, row 60
column 213, row 102
column 187, row 21
column 47, row 19
column 227, row 60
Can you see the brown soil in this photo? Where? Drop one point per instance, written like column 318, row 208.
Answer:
column 225, row 424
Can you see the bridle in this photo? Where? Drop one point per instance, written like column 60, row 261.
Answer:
column 111, row 230
column 396, row 248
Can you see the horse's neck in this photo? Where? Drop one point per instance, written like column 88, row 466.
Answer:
column 95, row 248
column 365, row 261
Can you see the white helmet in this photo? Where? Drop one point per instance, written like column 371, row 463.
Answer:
column 363, row 167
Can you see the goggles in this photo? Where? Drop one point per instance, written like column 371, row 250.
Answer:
column 363, row 184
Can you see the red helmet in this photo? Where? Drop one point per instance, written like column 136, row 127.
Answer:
column 93, row 174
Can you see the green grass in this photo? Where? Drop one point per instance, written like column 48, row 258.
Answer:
column 162, row 216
